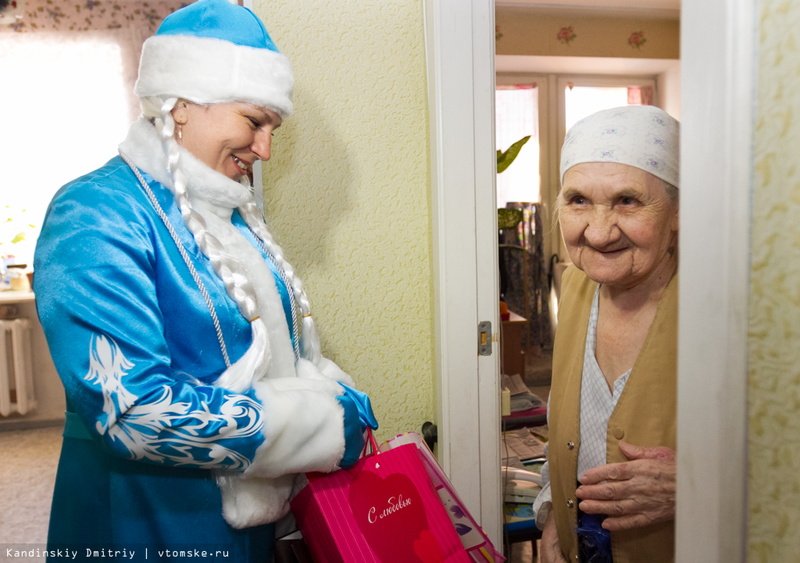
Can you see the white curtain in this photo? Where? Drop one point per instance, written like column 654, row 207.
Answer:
column 517, row 115
column 65, row 105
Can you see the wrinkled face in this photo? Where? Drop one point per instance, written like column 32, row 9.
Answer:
column 619, row 225
column 228, row 137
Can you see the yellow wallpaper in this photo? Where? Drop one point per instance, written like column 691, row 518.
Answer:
column 774, row 388
column 347, row 192
column 543, row 32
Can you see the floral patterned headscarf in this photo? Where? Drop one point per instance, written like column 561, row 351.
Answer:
column 644, row 137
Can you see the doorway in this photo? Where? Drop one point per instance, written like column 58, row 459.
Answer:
column 716, row 97
column 575, row 90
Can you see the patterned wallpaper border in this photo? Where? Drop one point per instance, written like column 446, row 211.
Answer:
column 556, row 32
column 567, row 34
column 30, row 16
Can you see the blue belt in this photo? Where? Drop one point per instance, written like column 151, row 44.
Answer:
column 74, row 427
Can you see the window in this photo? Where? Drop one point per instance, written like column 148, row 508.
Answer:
column 66, row 113
column 517, row 116
column 580, row 96
column 545, row 106
column 68, row 68
column 582, row 101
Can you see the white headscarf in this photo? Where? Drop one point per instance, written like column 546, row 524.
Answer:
column 644, row 137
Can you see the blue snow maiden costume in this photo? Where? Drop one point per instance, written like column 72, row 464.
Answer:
column 196, row 392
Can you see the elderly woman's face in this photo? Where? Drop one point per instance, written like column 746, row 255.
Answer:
column 228, row 137
column 619, row 225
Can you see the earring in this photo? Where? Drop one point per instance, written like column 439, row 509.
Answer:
column 180, row 132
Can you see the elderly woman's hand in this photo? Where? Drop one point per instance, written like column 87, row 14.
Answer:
column 634, row 493
column 550, row 548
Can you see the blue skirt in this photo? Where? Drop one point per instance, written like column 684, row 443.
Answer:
column 112, row 509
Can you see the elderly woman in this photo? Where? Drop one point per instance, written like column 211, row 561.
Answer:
column 611, row 453
column 196, row 391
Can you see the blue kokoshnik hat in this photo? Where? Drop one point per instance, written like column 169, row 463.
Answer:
column 213, row 51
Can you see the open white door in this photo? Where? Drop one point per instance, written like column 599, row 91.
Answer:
column 717, row 106
column 460, row 49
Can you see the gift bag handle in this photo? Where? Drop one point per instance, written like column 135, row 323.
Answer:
column 371, row 443
column 375, row 451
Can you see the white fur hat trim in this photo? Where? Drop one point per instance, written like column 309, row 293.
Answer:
column 207, row 70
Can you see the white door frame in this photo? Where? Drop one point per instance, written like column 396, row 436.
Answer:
column 460, row 54
column 717, row 108
column 717, row 115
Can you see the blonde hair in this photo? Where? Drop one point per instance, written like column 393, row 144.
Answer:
column 252, row 366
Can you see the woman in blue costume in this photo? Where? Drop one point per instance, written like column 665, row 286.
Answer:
column 196, row 390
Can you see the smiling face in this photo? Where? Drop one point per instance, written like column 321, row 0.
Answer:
column 619, row 225
column 228, row 137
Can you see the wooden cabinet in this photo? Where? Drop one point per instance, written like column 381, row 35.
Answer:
column 511, row 345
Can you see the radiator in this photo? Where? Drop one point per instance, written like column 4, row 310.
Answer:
column 16, row 367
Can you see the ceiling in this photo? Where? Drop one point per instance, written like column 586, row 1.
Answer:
column 652, row 8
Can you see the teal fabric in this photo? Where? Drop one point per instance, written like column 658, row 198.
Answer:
column 219, row 19
column 146, row 512
column 364, row 406
column 354, row 439
column 74, row 428
column 132, row 339
column 358, row 416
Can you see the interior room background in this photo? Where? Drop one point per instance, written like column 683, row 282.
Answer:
column 554, row 67
column 357, row 227
column 370, row 155
column 773, row 393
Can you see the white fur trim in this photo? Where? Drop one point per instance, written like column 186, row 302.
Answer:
column 206, row 70
column 252, row 502
column 303, row 427
column 143, row 147
column 324, row 369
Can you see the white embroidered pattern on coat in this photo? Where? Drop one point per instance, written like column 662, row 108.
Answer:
column 163, row 430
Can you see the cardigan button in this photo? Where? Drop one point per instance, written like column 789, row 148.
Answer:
column 618, row 433
column 570, row 503
column 570, row 445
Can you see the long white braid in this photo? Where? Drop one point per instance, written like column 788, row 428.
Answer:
column 252, row 366
column 309, row 343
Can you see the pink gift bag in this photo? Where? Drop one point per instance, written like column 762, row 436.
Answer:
column 382, row 510
column 473, row 538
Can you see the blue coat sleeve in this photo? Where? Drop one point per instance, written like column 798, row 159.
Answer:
column 130, row 334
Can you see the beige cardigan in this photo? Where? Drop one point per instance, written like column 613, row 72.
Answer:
column 645, row 414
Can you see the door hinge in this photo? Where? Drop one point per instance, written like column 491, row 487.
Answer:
column 485, row 338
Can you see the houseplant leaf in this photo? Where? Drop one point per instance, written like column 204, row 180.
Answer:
column 508, row 218
column 504, row 159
